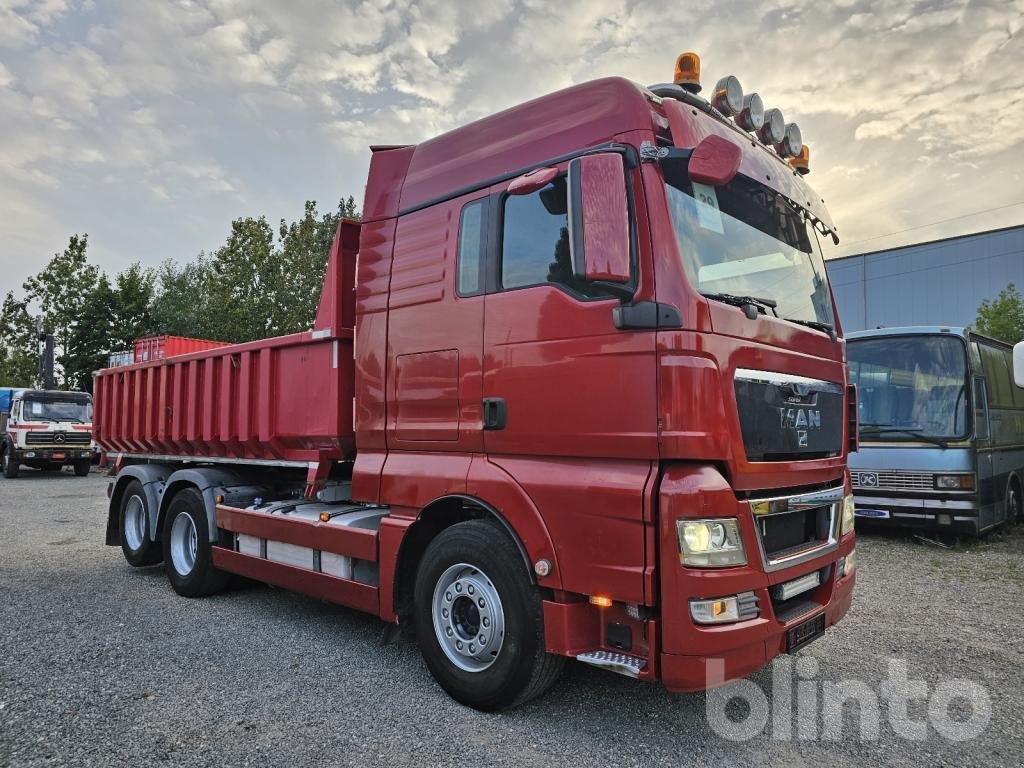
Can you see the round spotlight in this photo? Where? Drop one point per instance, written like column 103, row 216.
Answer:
column 751, row 117
column 728, row 96
column 774, row 129
column 791, row 143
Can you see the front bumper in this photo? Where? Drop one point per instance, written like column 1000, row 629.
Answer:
column 694, row 657
column 49, row 455
column 955, row 515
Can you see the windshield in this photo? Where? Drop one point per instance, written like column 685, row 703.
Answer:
column 56, row 410
column 743, row 239
column 910, row 384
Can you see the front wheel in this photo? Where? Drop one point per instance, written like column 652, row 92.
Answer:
column 478, row 619
column 82, row 468
column 188, row 554
column 10, row 464
column 1014, row 505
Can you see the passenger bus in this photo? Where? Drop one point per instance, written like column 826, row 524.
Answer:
column 941, row 429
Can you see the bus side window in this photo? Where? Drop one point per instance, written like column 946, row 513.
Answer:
column 981, row 429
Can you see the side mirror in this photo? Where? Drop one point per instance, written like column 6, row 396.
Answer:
column 599, row 218
column 1018, row 363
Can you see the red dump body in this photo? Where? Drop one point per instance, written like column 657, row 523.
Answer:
column 285, row 399
column 161, row 347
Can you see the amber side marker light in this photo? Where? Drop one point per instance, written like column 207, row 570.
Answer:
column 802, row 162
column 325, row 517
column 687, row 72
column 601, row 601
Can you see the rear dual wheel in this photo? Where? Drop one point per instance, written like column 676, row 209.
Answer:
column 136, row 544
column 188, row 553
column 478, row 619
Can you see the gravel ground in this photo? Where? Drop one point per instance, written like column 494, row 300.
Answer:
column 104, row 665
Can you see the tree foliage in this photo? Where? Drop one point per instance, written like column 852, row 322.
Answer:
column 1003, row 317
column 255, row 285
column 18, row 345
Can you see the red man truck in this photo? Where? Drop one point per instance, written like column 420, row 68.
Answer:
column 576, row 388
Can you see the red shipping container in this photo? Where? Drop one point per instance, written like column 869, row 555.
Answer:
column 160, row 347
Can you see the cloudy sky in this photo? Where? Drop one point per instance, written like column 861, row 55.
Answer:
column 150, row 124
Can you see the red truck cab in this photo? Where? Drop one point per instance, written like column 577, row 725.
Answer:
column 599, row 404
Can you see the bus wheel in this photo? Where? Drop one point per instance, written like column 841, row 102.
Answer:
column 478, row 619
column 188, row 554
column 139, row 550
column 1014, row 503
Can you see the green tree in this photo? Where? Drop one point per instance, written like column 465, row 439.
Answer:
column 245, row 283
column 18, row 343
column 1002, row 318
column 181, row 302
column 60, row 290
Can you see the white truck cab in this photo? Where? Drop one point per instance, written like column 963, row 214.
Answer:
column 47, row 429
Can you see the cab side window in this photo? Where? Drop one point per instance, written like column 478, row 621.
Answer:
column 471, row 248
column 535, row 241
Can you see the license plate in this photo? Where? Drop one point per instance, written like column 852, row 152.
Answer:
column 803, row 633
column 57, row 456
column 877, row 514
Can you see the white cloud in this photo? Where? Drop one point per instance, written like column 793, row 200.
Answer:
column 152, row 123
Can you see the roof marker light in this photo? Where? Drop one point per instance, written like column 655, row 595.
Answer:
column 751, row 117
column 687, row 72
column 792, row 142
column 728, row 96
column 774, row 129
column 801, row 162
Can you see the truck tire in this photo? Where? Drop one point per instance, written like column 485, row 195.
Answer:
column 133, row 523
column 188, row 555
column 82, row 468
column 478, row 619
column 9, row 464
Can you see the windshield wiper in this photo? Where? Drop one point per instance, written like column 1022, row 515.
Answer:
column 878, row 429
column 745, row 301
column 816, row 325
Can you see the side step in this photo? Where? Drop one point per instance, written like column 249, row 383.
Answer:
column 622, row 663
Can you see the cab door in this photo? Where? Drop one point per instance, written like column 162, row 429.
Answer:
column 569, row 399
column 987, row 491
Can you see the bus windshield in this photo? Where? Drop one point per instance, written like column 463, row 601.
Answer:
column 910, row 386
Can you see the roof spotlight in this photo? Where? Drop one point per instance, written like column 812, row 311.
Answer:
column 728, row 96
column 774, row 129
column 751, row 117
column 791, row 143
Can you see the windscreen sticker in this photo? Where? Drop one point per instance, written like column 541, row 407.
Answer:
column 37, row 407
column 708, row 215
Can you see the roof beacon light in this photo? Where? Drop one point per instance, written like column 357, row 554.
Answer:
column 801, row 162
column 774, row 129
column 751, row 117
column 688, row 72
column 792, row 142
column 728, row 96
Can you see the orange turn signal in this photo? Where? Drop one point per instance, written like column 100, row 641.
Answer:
column 687, row 72
column 802, row 161
column 325, row 517
column 601, row 601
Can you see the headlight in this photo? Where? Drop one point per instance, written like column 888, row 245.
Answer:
column 846, row 526
column 954, row 482
column 710, row 543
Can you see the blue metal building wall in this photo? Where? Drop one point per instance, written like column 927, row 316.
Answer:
column 936, row 283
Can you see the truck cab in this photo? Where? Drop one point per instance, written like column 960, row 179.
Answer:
column 47, row 430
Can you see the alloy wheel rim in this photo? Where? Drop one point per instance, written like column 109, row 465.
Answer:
column 184, row 544
column 468, row 617
column 134, row 523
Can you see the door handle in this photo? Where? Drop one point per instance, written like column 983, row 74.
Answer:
column 495, row 413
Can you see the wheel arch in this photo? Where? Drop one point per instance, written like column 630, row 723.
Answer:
column 236, row 487
column 152, row 477
column 435, row 517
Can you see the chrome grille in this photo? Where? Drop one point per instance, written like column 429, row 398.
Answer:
column 58, row 439
column 866, row 479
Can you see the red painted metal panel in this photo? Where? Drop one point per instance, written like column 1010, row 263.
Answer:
column 362, row 597
column 351, row 542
